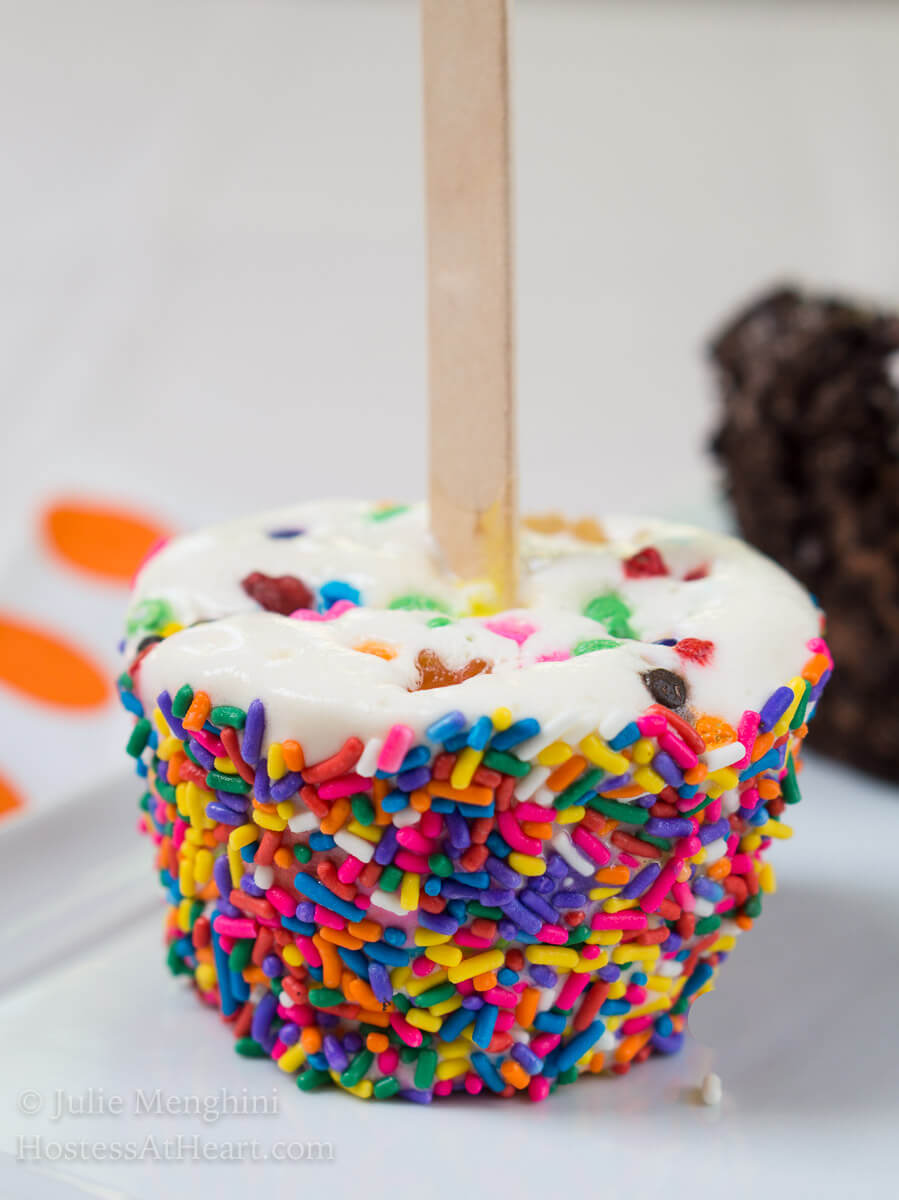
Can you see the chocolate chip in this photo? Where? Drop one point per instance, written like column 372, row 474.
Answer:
column 147, row 642
column 282, row 594
column 666, row 687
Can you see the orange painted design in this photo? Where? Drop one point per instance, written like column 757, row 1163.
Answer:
column 378, row 649
column 100, row 539
column 715, row 732
column 43, row 667
column 10, row 798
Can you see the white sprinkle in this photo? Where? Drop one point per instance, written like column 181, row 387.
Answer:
column 355, row 845
column 724, row 756
column 574, row 858
column 544, row 797
column 530, row 783
column 302, row 822
column 550, row 733
column 406, row 816
column 264, row 877
column 711, row 1090
column 388, row 902
column 368, row 760
column 612, row 725
column 714, row 850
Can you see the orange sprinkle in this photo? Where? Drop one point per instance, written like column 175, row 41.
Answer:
column 10, row 798
column 527, row 1007
column 339, row 937
column 332, row 963
column 376, row 1042
column 537, row 829
column 566, row 774
column 632, row 1045
column 815, row 668
column 719, row 869
column 44, row 667
column 597, row 1062
column 715, row 732
column 379, row 790
column 481, row 796
column 283, row 858
column 763, row 744
column 294, row 759
column 100, row 539
column 768, row 789
column 374, row 1016
column 485, row 981
column 696, row 774
column 513, row 1072
column 196, row 715
column 625, row 793
column 743, row 922
column 614, row 876
column 254, row 975
column 311, row 1039
column 366, row 931
column 378, row 649
column 340, row 810
column 420, row 800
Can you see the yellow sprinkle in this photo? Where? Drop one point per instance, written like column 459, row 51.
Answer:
column 450, row 1068
column 659, row 1004
column 285, row 809
column 555, row 755
column 269, row 821
column 194, row 837
column 186, row 878
column 422, row 983
column 205, row 977
column 699, row 856
column 277, row 767
column 409, row 890
column 727, row 777
column 466, row 764
column 798, row 687
column 774, row 829
column 170, row 628
column 478, row 964
column 632, row 953
column 445, row 956
column 597, row 752
column 184, row 916
column 427, row 937
column 167, row 747
column 643, row 751
column 590, row 964
column 181, row 800
column 614, row 906
column 203, row 866
column 363, row 1089
column 369, row 833
column 398, row 977
column 291, row 955
column 605, row 937
column 551, row 956
column 527, row 864
column 727, row 941
column 502, row 719
column 242, row 835
column 617, row 989
column 160, row 723
column 421, row 1019
column 225, row 765
column 612, row 1024
column 602, row 893
column 571, row 816
column 292, row 1058
column 236, row 865
column 714, row 790
column 660, row 983
column 750, row 842
column 647, row 779
column 767, row 878
column 446, row 1006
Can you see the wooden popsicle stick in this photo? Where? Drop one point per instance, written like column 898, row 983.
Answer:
column 471, row 337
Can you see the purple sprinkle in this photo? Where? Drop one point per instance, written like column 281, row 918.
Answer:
column 248, row 885
column 495, row 897
column 502, row 873
column 379, row 978
column 528, row 1059
column 305, row 911
column 774, row 708
column 438, row 922
column 543, row 976
column 667, row 1045
column 416, row 1096
column 386, row 847
column 457, row 829
column 409, row 781
column 335, row 1053
column 164, row 700
column 644, row 801
column 507, row 930
column 523, row 917
column 640, row 882
column 473, row 1003
column 668, row 827
column 162, row 770
column 262, row 784
column 616, row 781
column 707, row 889
column 672, row 943
column 237, row 804
column 202, row 755
column 665, row 766
column 557, row 867
column 717, row 829
column 569, row 899
column 286, row 786
column 227, row 909
column 289, row 1034
column 271, row 966
column 542, row 885
column 225, row 816
column 252, row 733
column 352, row 1043
column 327, row 1020
column 538, row 905
column 221, row 873
column 610, row 973
column 262, row 1017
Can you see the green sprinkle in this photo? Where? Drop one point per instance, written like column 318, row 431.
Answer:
column 595, row 644
column 183, row 700
column 577, row 790
column 392, row 510
column 440, row 865
column 151, row 614
column 610, row 610
column 125, row 682
column 691, row 812
column 425, row 1068
column 176, row 963
column 386, row 1087
column 325, row 997
column 709, row 924
column 311, row 1079
column 790, row 786
column 249, row 1048
column 390, row 879
column 435, row 995
column 631, row 814
column 403, row 1003
column 302, row 853
column 408, row 1054
column 144, row 803
column 569, row 1076
column 355, row 1072
column 498, row 760
column 799, row 714
column 363, row 812
column 219, row 781
column 662, row 843
column 140, row 735
column 416, row 602
column 476, row 909
column 577, row 935
column 240, row 955
column 166, row 791
column 436, row 622
column 228, row 714
column 752, row 908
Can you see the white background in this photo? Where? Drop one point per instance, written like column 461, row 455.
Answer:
column 211, row 299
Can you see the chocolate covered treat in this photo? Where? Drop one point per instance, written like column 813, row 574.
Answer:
column 810, row 443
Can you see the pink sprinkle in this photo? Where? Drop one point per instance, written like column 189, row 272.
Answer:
column 678, row 749
column 504, row 1021
column 544, row 1042
column 324, row 916
column 235, row 927
column 538, row 1088
column 280, row 900
column 652, row 724
column 395, row 748
column 627, row 860
column 726, row 904
column 464, row 937
column 510, row 831
column 387, row 1060
column 473, row 1084
column 407, row 861
column 350, row 869
column 591, row 846
column 555, row 656
column 746, row 733
column 741, row 864
column 684, row 897
column 636, row 1024
column 443, row 1087
column 411, row 839
column 431, row 824
column 713, row 811
column 819, row 646
column 278, row 1049
column 658, row 890
column 516, row 628
column 343, row 785
column 178, row 832
column 589, row 951
column 635, row 995
column 529, row 811
column 422, row 967
column 337, row 609
column 571, row 989
column 309, row 950
column 628, row 919
column 553, row 935
column 503, row 997
column 406, row 1032
column 209, row 742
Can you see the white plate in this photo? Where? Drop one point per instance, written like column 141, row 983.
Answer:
column 802, row 1031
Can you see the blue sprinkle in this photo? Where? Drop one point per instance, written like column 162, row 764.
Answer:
column 337, row 589
column 395, row 801
column 487, row 1071
column 416, row 757
column 457, row 742
column 131, row 702
column 445, row 726
column 479, row 734
column 702, row 973
column 322, row 841
column 484, row 1025
column 394, row 935
column 615, row 1008
column 432, row 885
column 284, row 534
column 774, row 708
column 223, row 974
column 626, row 737
column 515, row 734
column 577, row 1046
column 550, row 1022
column 454, row 1024
column 306, row 885
column 383, row 952
column 506, row 976
column 766, row 763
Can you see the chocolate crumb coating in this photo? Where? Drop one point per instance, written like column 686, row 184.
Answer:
column 810, row 445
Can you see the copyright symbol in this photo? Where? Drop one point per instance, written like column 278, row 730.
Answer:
column 29, row 1102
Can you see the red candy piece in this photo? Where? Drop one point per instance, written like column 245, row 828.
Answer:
column 282, row 594
column 699, row 572
column 645, row 564
column 696, row 650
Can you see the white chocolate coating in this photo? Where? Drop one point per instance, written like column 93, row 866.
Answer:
column 316, row 686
